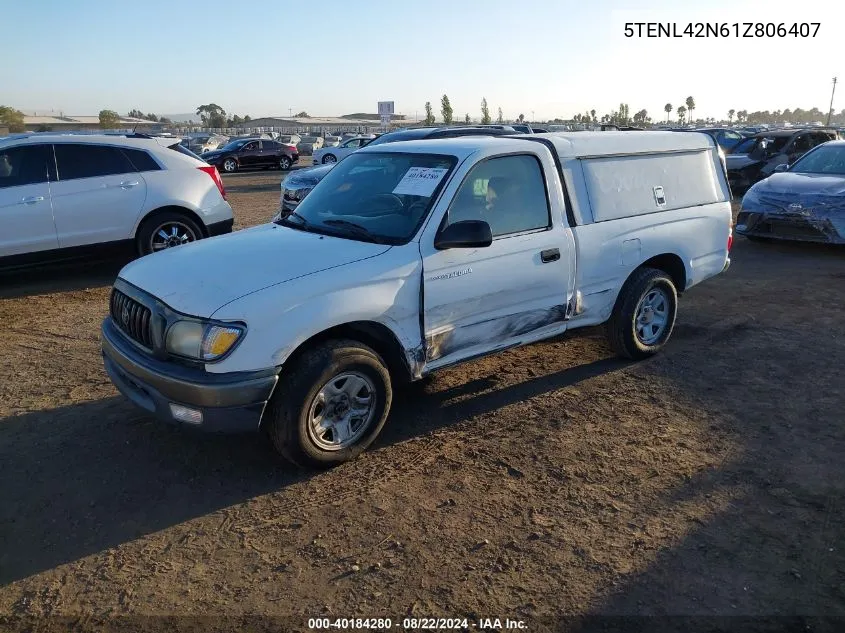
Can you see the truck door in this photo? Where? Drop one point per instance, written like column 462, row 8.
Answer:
column 477, row 300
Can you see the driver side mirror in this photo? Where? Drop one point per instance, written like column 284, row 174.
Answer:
column 782, row 167
column 465, row 234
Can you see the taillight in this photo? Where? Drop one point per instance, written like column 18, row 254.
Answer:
column 211, row 170
column 730, row 240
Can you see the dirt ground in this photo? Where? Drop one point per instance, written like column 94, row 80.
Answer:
column 548, row 481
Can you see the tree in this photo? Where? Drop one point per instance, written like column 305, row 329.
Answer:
column 302, row 115
column 212, row 115
column 237, row 120
column 731, row 113
column 165, row 120
column 109, row 119
column 521, row 118
column 135, row 114
column 593, row 115
column 467, row 120
column 12, row 118
column 500, row 119
column 150, row 117
column 690, row 102
column 668, row 110
column 247, row 118
column 681, row 114
column 446, row 110
column 641, row 116
column 429, row 114
column 742, row 115
column 485, row 112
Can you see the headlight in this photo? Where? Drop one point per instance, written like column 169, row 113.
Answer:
column 201, row 341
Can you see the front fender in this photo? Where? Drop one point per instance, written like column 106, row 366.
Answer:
column 382, row 290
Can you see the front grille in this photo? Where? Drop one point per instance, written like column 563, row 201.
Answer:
column 132, row 318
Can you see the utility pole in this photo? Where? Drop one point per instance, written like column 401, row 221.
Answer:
column 290, row 113
column 532, row 116
column 830, row 111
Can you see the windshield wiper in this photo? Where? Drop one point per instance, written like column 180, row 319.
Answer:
column 351, row 225
column 303, row 221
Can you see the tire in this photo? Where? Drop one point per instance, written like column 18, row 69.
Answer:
column 285, row 163
column 149, row 235
column 329, row 158
column 230, row 165
column 300, row 397
column 644, row 286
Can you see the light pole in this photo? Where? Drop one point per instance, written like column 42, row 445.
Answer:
column 830, row 111
column 532, row 116
column 290, row 112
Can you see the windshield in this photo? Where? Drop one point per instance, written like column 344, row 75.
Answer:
column 236, row 144
column 826, row 159
column 309, row 139
column 377, row 197
column 744, row 147
column 768, row 147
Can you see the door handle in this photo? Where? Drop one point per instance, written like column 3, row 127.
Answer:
column 32, row 200
column 550, row 255
column 126, row 184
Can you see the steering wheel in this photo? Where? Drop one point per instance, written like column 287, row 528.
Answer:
column 386, row 203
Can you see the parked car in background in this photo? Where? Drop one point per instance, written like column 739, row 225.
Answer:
column 332, row 154
column 262, row 135
column 771, row 149
column 309, row 144
column 409, row 258
column 252, row 153
column 61, row 195
column 295, row 187
column 200, row 143
column 291, row 140
column 331, row 141
column 726, row 138
column 802, row 201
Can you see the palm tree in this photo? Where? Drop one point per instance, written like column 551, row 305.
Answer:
column 690, row 107
column 681, row 113
column 593, row 115
column 668, row 110
column 731, row 113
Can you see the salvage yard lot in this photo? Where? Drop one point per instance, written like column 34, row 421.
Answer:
column 552, row 479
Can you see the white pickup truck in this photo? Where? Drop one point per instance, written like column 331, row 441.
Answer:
column 411, row 257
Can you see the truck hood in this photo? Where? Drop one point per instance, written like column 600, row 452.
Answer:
column 201, row 277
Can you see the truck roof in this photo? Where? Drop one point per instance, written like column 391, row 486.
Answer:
column 568, row 145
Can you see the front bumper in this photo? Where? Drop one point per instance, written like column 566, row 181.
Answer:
column 802, row 227
column 229, row 403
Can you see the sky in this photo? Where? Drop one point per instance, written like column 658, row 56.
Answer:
column 543, row 58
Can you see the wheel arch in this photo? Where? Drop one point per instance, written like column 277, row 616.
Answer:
column 373, row 334
column 171, row 208
column 672, row 265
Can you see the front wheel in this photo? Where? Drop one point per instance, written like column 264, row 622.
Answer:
column 328, row 159
column 330, row 405
column 644, row 315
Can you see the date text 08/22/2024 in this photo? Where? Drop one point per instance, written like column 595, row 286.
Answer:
column 722, row 29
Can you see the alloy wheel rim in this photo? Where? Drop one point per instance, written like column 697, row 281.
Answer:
column 171, row 234
column 342, row 411
column 652, row 316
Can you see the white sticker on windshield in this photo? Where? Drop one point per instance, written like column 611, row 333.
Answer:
column 420, row 181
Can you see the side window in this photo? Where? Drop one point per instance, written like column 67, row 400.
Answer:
column 802, row 143
column 250, row 147
column 25, row 165
column 140, row 159
column 90, row 161
column 509, row 193
column 353, row 144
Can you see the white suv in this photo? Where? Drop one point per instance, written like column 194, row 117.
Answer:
column 63, row 193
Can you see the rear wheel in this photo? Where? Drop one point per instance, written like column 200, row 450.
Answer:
column 230, row 165
column 166, row 230
column 644, row 315
column 331, row 404
column 285, row 163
